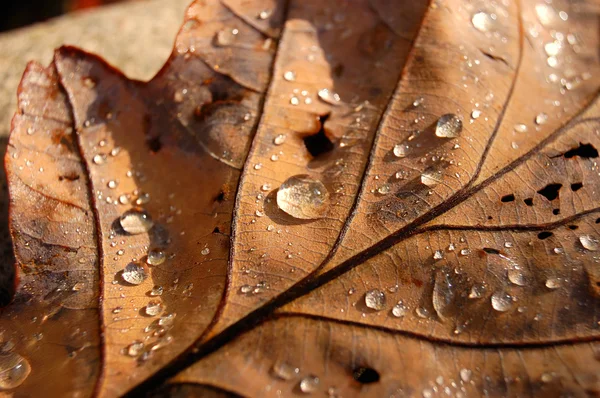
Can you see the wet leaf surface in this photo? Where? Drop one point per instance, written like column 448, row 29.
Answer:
column 359, row 198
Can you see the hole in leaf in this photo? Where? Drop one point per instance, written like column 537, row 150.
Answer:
column 489, row 250
column 216, row 230
column 544, row 235
column 490, row 218
column 220, row 197
column 573, row 227
column 583, row 151
column 318, row 143
column 508, row 198
column 598, row 220
column 365, row 375
column 556, row 212
column 528, row 201
column 154, row 144
column 576, row 186
column 550, row 191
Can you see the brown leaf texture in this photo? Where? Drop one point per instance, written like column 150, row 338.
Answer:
column 447, row 243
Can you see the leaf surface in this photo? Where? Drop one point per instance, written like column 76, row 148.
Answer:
column 456, row 144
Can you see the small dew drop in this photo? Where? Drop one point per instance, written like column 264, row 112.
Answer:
column 226, row 37
column 399, row 310
column 205, row 251
column 134, row 274
column 520, row 128
column 309, row 384
column 375, row 299
column 289, row 76
column 136, row 221
column 134, row 349
column 98, row 159
column 153, row 308
column 303, row 197
column 156, row 257
column 329, row 97
column 482, row 21
column 156, row 291
column 541, row 118
column 431, row 178
column 400, row 150
column 501, row 301
column 284, row 371
column 477, row 291
column 279, row 139
column 475, row 114
column 465, row 375
column 553, row 283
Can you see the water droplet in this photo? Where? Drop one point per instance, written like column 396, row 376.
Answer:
column 142, row 199
column 431, row 177
column 134, row 349
column 465, row 375
column 153, row 308
column 289, row 75
column 156, row 257
column 279, row 139
column 438, row 255
column 553, row 48
column 516, row 277
column 589, row 243
column 329, row 96
column 264, row 14
column 399, row 310
column 157, row 291
column 98, row 159
column 422, row 312
column 309, row 384
column 226, row 37
column 482, row 21
column 448, row 126
column 284, row 371
column 384, row 189
column 14, row 369
column 520, row 128
column 475, row 113
column 303, row 197
column 541, row 118
column 134, row 274
column 443, row 293
column 546, row 14
column 112, row 184
column 245, row 289
column 547, row 377
column 501, row 301
column 477, row 291
column 166, row 320
column 375, row 299
column 136, row 221
column 400, row 150
column 418, row 102
column 553, row 283
column 205, row 251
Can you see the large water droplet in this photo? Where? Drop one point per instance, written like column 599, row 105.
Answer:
column 448, row 126
column 136, row 221
column 482, row 21
column 14, row 369
column 134, row 274
column 400, row 150
column 375, row 299
column 309, row 384
column 589, row 242
column 153, row 308
column 515, row 275
column 443, row 293
column 303, row 197
column 477, row 291
column 553, row 283
column 501, row 301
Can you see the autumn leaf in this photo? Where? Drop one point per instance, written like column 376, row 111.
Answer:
column 354, row 198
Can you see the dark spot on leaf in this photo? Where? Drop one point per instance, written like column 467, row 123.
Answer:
column 556, row 212
column 318, row 143
column 576, row 186
column 598, row 220
column 154, row 144
column 544, row 235
column 528, row 201
column 508, row 198
column 489, row 250
column 583, row 151
column 220, row 197
column 550, row 191
column 69, row 177
column 338, row 70
column 490, row 218
column 573, row 227
column 365, row 375
column 216, row 230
